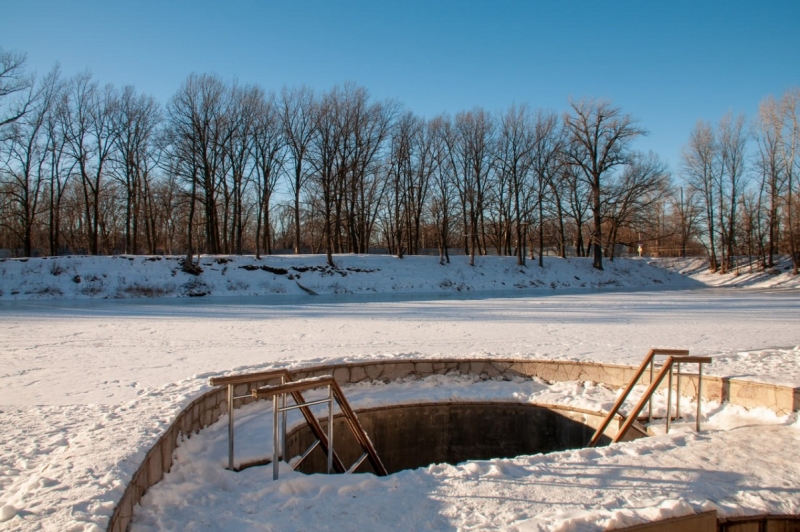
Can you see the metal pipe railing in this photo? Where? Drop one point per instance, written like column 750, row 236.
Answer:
column 279, row 429
column 648, row 360
column 666, row 369
column 674, row 356
column 336, row 394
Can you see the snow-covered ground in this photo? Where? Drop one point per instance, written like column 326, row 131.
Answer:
column 275, row 277
column 591, row 489
column 744, row 274
column 87, row 384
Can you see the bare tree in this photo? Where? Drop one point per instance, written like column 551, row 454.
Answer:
column 323, row 158
column 641, row 186
column 425, row 163
column 298, row 125
column 600, row 136
column 60, row 167
column 549, row 145
column 368, row 125
column 559, row 195
column 442, row 185
column 577, row 203
column 750, row 230
column 195, row 140
column 244, row 103
column 90, row 139
column 269, row 153
column 700, row 168
column 470, row 148
column 400, row 172
column 23, row 165
column 136, row 118
column 769, row 132
column 731, row 183
column 515, row 158
column 16, row 88
column 687, row 212
column 790, row 156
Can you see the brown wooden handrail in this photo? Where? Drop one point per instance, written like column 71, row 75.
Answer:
column 349, row 414
column 648, row 359
column 232, row 380
column 246, row 378
column 665, row 369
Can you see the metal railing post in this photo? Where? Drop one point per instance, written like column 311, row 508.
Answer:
column 699, row 394
column 650, row 403
column 678, row 392
column 669, row 394
column 275, row 436
column 330, row 429
column 230, row 427
column 283, row 421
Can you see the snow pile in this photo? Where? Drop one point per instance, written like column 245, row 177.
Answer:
column 121, row 277
column 722, row 468
column 745, row 274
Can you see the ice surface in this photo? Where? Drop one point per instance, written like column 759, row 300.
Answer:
column 87, row 385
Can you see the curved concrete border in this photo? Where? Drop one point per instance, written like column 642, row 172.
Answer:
column 209, row 407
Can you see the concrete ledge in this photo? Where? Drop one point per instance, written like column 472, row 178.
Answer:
column 209, row 407
column 760, row 523
column 704, row 522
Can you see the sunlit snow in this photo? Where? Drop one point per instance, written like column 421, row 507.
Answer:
column 91, row 377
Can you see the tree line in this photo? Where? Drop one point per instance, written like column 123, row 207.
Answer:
column 229, row 168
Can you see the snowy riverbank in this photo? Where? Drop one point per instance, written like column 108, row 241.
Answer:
column 122, row 277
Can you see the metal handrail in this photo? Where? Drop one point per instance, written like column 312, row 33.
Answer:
column 666, row 369
column 648, row 360
column 674, row 356
column 279, row 444
column 335, row 393
column 231, row 381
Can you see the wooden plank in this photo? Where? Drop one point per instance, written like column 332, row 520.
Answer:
column 358, row 431
column 249, row 377
column 631, row 419
column 671, row 352
column 690, row 360
column 621, row 399
column 290, row 387
column 702, row 522
column 684, row 357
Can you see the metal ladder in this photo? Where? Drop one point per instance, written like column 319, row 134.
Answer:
column 675, row 357
column 294, row 388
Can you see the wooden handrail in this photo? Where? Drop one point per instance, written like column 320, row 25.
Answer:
column 265, row 392
column 232, row 380
column 666, row 369
column 683, row 353
column 349, row 414
column 249, row 377
column 358, row 430
column 631, row 419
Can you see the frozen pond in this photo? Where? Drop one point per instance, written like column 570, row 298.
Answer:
column 65, row 352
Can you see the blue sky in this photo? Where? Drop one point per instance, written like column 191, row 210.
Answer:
column 668, row 63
